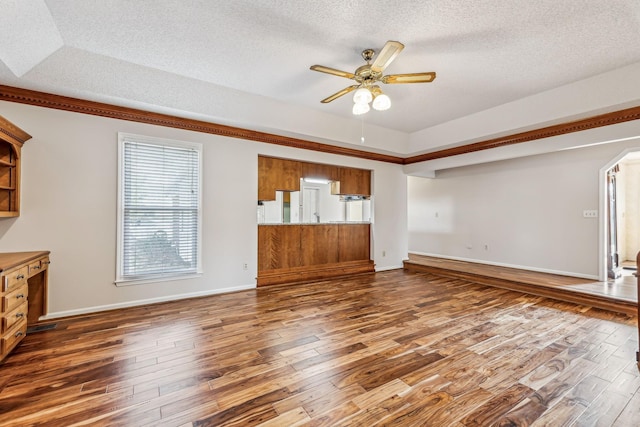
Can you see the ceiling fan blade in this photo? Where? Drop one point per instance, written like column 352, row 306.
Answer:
column 388, row 53
column 336, row 95
column 333, row 71
column 409, row 78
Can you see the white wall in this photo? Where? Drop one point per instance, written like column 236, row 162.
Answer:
column 273, row 209
column 69, row 181
column 527, row 211
column 389, row 217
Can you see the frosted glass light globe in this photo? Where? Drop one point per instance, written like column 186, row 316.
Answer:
column 382, row 102
column 362, row 96
column 359, row 109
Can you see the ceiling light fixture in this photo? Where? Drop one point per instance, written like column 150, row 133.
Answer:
column 381, row 101
column 316, row 180
column 364, row 95
column 360, row 109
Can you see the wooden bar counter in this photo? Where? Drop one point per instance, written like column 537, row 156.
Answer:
column 289, row 253
column 23, row 295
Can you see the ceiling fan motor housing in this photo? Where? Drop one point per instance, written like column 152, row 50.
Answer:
column 365, row 75
column 368, row 54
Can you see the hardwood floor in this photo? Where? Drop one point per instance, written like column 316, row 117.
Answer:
column 620, row 295
column 390, row 348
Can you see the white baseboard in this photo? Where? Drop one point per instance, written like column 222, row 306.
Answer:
column 519, row 267
column 99, row 308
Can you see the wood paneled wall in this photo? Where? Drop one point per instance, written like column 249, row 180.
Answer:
column 302, row 252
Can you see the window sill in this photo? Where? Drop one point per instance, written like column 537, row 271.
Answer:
column 147, row 280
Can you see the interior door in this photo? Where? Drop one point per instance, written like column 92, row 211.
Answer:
column 613, row 262
column 310, row 200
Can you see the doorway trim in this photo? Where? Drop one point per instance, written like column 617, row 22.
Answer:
column 604, row 216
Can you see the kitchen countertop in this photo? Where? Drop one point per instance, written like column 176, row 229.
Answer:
column 319, row 223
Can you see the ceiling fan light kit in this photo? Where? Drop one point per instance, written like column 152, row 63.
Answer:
column 359, row 109
column 365, row 95
column 381, row 102
column 367, row 75
column 362, row 96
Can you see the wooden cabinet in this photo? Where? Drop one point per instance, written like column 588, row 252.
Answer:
column 318, row 244
column 277, row 175
column 353, row 242
column 320, row 171
column 11, row 140
column 302, row 252
column 278, row 247
column 23, row 291
column 353, row 182
column 284, row 175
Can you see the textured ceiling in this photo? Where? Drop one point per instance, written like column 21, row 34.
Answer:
column 250, row 54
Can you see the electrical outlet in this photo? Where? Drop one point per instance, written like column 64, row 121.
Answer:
column 245, row 266
column 590, row 213
column 384, row 253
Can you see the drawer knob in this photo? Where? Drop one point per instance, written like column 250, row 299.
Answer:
column 20, row 277
column 19, row 296
column 37, row 267
column 18, row 334
column 19, row 315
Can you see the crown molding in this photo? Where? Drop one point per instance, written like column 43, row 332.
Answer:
column 48, row 100
column 600, row 120
column 12, row 133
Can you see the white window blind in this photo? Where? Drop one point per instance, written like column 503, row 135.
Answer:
column 159, row 209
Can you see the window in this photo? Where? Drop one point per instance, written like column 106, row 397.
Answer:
column 159, row 209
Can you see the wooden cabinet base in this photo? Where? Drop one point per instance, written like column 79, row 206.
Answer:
column 23, row 295
column 297, row 253
column 315, row 272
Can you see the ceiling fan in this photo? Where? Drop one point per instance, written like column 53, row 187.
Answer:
column 367, row 76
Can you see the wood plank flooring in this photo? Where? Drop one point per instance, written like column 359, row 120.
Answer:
column 620, row 295
column 392, row 348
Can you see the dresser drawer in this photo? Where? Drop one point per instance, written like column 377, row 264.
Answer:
column 14, row 298
column 10, row 319
column 12, row 338
column 14, row 278
column 36, row 267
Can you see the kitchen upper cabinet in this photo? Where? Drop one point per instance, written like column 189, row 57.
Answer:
column 353, row 181
column 277, row 175
column 284, row 175
column 320, row 171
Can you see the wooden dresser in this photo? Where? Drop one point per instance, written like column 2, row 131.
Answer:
column 23, row 295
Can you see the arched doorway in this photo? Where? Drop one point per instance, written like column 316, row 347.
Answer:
column 620, row 222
